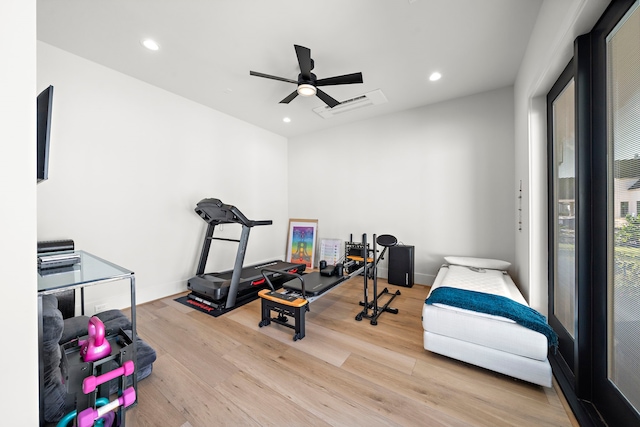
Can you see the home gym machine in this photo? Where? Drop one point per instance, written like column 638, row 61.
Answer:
column 371, row 309
column 223, row 290
column 303, row 289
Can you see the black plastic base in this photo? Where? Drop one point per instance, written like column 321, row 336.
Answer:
column 376, row 310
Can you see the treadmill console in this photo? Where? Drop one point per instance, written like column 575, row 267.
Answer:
column 213, row 211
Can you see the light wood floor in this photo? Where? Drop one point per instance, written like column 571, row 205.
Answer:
column 227, row 371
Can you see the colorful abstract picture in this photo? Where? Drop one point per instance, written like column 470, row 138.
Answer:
column 301, row 242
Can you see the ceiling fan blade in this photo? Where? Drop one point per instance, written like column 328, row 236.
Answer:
column 341, row 80
column 326, row 98
column 267, row 76
column 290, row 98
column 304, row 60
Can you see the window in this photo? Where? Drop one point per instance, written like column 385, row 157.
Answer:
column 624, row 209
column 623, row 144
column 564, row 173
column 597, row 367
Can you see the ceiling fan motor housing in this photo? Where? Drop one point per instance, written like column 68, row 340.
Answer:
column 311, row 81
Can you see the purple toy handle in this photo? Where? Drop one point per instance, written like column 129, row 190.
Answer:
column 95, row 347
column 96, row 330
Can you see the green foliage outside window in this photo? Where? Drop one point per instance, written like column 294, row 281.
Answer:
column 629, row 234
column 627, row 252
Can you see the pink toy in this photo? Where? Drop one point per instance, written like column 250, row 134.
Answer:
column 89, row 415
column 89, row 384
column 96, row 346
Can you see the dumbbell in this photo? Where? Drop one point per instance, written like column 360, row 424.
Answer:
column 90, row 383
column 89, row 415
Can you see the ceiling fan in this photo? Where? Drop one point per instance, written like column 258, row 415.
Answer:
column 307, row 81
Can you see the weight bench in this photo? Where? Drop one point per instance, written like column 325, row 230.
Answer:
column 283, row 304
column 294, row 301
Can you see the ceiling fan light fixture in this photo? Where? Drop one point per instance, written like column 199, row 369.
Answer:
column 306, row 90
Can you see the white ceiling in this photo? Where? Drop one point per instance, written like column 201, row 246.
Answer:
column 208, row 48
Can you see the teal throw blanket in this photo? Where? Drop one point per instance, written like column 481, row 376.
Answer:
column 496, row 305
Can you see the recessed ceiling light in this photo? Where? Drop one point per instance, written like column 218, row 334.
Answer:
column 286, row 120
column 435, row 76
column 150, row 44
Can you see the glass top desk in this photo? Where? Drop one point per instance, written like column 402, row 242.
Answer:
column 90, row 271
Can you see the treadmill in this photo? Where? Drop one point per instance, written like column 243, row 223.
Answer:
column 223, row 289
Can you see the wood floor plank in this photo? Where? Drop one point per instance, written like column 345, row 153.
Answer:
column 454, row 371
column 190, row 343
column 155, row 409
column 474, row 405
column 391, row 358
column 229, row 371
column 304, row 391
column 381, row 401
column 171, row 301
column 264, row 404
column 194, row 398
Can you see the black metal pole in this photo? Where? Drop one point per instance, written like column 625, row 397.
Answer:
column 366, row 274
column 205, row 249
column 375, row 280
column 237, row 268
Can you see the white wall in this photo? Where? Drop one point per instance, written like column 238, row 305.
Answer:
column 438, row 177
column 130, row 161
column 18, row 214
column 549, row 51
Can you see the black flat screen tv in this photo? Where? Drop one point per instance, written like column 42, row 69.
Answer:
column 45, row 102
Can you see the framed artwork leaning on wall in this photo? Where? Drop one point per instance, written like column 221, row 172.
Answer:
column 301, row 241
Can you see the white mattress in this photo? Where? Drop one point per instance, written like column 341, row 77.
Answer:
column 524, row 368
column 485, row 330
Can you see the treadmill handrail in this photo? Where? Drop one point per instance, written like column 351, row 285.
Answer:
column 236, row 212
column 262, row 222
column 236, row 215
column 286, row 273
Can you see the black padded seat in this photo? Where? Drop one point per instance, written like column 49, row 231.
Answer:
column 386, row 240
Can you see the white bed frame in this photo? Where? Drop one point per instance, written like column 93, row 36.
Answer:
column 490, row 342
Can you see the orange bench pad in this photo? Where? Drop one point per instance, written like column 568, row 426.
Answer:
column 298, row 302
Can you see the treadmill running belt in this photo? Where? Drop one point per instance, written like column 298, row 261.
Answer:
column 216, row 285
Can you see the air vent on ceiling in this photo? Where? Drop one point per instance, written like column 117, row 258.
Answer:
column 370, row 98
